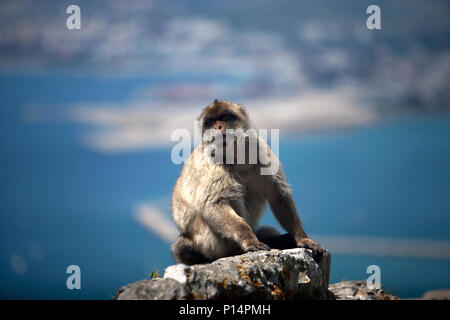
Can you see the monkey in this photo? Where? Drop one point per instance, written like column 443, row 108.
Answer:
column 217, row 205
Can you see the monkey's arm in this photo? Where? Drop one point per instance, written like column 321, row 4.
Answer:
column 283, row 207
column 278, row 192
column 228, row 224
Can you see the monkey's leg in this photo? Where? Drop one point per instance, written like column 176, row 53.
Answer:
column 226, row 223
column 286, row 241
column 184, row 251
column 277, row 241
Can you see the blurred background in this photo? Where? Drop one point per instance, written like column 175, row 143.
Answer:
column 86, row 117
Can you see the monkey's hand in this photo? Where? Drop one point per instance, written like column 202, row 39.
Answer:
column 258, row 246
column 317, row 250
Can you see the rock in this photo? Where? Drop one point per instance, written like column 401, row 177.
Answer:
column 155, row 289
column 440, row 294
column 275, row 274
column 358, row 290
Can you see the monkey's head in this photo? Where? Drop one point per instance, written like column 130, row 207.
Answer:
column 222, row 115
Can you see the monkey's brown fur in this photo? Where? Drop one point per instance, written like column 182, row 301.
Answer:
column 217, row 206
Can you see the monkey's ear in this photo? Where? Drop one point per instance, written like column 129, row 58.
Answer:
column 216, row 100
column 201, row 118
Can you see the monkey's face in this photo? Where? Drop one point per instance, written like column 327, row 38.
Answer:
column 221, row 118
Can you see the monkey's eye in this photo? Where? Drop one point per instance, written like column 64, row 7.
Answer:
column 209, row 122
column 227, row 117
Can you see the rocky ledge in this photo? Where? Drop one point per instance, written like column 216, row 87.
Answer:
column 275, row 274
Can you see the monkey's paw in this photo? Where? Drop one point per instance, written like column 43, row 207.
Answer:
column 257, row 247
column 317, row 250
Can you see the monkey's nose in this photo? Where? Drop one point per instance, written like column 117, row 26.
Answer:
column 220, row 126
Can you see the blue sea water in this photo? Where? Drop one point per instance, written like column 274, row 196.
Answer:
column 390, row 179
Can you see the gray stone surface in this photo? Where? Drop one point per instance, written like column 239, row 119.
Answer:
column 439, row 294
column 358, row 290
column 275, row 274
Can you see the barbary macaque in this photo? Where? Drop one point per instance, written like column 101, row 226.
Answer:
column 217, row 202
